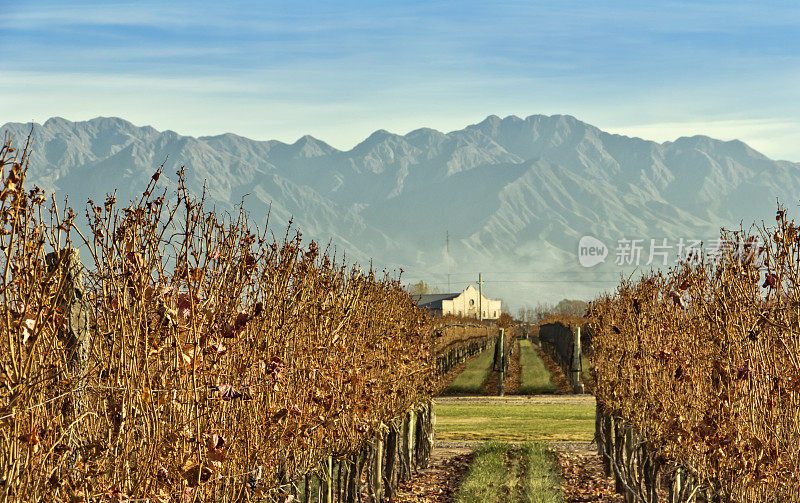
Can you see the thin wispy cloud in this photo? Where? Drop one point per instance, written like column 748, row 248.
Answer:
column 618, row 64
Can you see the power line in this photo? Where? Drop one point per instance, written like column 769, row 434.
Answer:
column 540, row 272
column 532, row 281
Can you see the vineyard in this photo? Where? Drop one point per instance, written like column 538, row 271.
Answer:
column 158, row 350
column 698, row 377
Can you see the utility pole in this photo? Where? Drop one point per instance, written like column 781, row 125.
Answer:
column 500, row 387
column 447, row 240
column 480, row 298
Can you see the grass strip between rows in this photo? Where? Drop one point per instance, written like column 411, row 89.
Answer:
column 541, row 479
column 471, row 380
column 500, row 473
column 536, row 379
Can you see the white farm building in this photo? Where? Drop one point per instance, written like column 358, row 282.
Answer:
column 464, row 303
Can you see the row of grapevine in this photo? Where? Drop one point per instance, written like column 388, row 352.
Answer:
column 160, row 350
column 697, row 372
column 557, row 340
column 458, row 340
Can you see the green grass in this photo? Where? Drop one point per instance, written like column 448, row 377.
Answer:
column 487, row 479
column 586, row 371
column 470, row 381
column 500, row 472
column 535, row 378
column 540, row 475
column 567, row 422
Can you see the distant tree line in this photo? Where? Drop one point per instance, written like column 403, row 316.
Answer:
column 422, row 288
column 566, row 307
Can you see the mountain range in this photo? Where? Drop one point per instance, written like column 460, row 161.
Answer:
column 515, row 195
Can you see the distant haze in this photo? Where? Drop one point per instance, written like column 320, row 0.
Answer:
column 516, row 195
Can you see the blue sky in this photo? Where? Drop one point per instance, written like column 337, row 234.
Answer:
column 340, row 70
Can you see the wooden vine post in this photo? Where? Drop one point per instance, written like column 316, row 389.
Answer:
column 575, row 371
column 377, row 467
column 608, row 442
column 629, row 461
column 496, row 359
column 406, row 444
column 427, row 438
column 391, row 454
column 412, row 430
column 501, row 341
column 326, row 485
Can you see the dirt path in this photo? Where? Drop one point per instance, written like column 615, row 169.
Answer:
column 514, row 375
column 490, row 384
column 519, row 399
column 445, row 450
column 584, row 480
column 437, row 483
column 580, row 465
column 581, row 469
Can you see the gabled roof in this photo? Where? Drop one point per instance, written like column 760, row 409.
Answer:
column 434, row 300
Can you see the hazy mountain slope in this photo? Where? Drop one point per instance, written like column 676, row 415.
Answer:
column 515, row 194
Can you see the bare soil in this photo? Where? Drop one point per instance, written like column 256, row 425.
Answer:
column 584, row 480
column 519, row 399
column 513, row 377
column 581, row 470
column 490, row 385
column 437, row 483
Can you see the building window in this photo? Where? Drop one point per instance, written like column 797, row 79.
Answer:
column 471, row 302
column 495, row 314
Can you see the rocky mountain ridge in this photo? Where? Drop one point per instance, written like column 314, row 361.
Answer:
column 515, row 194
